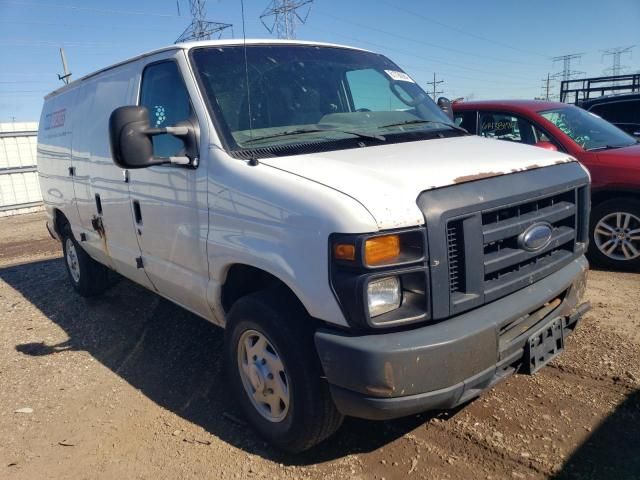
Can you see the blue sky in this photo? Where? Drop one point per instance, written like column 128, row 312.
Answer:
column 490, row 49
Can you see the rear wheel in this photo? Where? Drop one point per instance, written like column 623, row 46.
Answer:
column 275, row 374
column 88, row 277
column 615, row 234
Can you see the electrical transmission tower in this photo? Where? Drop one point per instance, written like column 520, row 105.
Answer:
column 200, row 28
column 567, row 73
column 616, row 53
column 434, row 84
column 282, row 16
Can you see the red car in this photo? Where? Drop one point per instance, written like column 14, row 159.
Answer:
column 611, row 156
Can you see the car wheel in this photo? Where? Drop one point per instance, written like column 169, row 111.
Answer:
column 88, row 277
column 275, row 374
column 615, row 234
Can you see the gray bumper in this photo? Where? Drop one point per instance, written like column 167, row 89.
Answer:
column 439, row 366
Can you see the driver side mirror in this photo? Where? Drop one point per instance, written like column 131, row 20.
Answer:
column 130, row 135
column 547, row 146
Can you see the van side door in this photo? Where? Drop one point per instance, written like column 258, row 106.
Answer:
column 169, row 202
column 102, row 191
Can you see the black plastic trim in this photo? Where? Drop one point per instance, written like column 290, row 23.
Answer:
column 467, row 201
column 349, row 281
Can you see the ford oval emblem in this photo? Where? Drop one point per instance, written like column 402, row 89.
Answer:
column 536, row 237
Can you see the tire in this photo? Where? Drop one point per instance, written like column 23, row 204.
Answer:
column 88, row 277
column 614, row 234
column 310, row 415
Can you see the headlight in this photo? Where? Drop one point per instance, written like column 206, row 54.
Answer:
column 383, row 295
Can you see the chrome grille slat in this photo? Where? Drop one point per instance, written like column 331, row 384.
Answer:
column 506, row 228
column 508, row 256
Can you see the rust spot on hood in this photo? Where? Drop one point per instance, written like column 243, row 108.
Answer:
column 531, row 167
column 477, row 176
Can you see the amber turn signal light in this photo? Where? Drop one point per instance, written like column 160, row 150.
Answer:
column 344, row 251
column 379, row 250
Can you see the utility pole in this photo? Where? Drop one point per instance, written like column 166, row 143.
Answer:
column 434, row 84
column 616, row 53
column 546, row 87
column 283, row 16
column 200, row 28
column 67, row 74
column 567, row 73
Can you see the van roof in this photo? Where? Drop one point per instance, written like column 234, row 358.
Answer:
column 204, row 43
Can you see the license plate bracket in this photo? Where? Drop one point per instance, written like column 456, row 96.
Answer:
column 543, row 346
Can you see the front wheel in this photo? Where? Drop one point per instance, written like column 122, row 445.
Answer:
column 274, row 372
column 615, row 234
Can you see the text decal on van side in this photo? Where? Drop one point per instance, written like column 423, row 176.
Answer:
column 399, row 76
column 55, row 119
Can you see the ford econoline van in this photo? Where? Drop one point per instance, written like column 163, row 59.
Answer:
column 366, row 256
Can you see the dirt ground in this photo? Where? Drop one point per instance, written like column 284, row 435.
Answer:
column 130, row 386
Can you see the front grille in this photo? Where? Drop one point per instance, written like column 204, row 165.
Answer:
column 473, row 230
column 508, row 266
column 504, row 266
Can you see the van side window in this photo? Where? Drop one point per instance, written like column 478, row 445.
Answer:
column 163, row 92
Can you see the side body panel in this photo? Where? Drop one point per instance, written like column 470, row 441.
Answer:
column 279, row 222
column 55, row 164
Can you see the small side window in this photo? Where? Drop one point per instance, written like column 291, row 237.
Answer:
column 466, row 120
column 163, row 92
column 503, row 126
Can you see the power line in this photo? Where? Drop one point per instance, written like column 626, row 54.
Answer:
column 104, row 11
column 283, row 16
column 200, row 28
column 412, row 54
column 567, row 73
column 459, row 30
column 615, row 54
column 422, row 42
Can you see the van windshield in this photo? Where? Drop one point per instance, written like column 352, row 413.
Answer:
column 587, row 129
column 303, row 95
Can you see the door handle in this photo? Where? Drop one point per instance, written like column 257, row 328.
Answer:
column 137, row 212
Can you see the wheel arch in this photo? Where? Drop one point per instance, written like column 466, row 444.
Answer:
column 603, row 195
column 59, row 221
column 243, row 279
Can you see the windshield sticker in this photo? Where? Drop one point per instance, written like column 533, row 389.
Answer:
column 399, row 76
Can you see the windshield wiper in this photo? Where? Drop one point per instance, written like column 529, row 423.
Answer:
column 418, row 121
column 301, row 131
column 607, row 147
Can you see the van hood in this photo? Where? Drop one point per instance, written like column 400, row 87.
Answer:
column 387, row 179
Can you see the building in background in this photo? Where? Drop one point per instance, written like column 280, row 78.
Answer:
column 19, row 187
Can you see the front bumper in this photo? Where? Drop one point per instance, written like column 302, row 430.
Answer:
column 443, row 365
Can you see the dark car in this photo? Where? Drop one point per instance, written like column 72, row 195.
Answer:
column 611, row 156
column 621, row 110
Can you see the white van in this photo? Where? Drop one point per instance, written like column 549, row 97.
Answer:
column 366, row 256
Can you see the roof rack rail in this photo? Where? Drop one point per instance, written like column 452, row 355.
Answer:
column 578, row 90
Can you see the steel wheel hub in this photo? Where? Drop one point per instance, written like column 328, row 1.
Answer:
column 263, row 375
column 617, row 236
column 72, row 260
